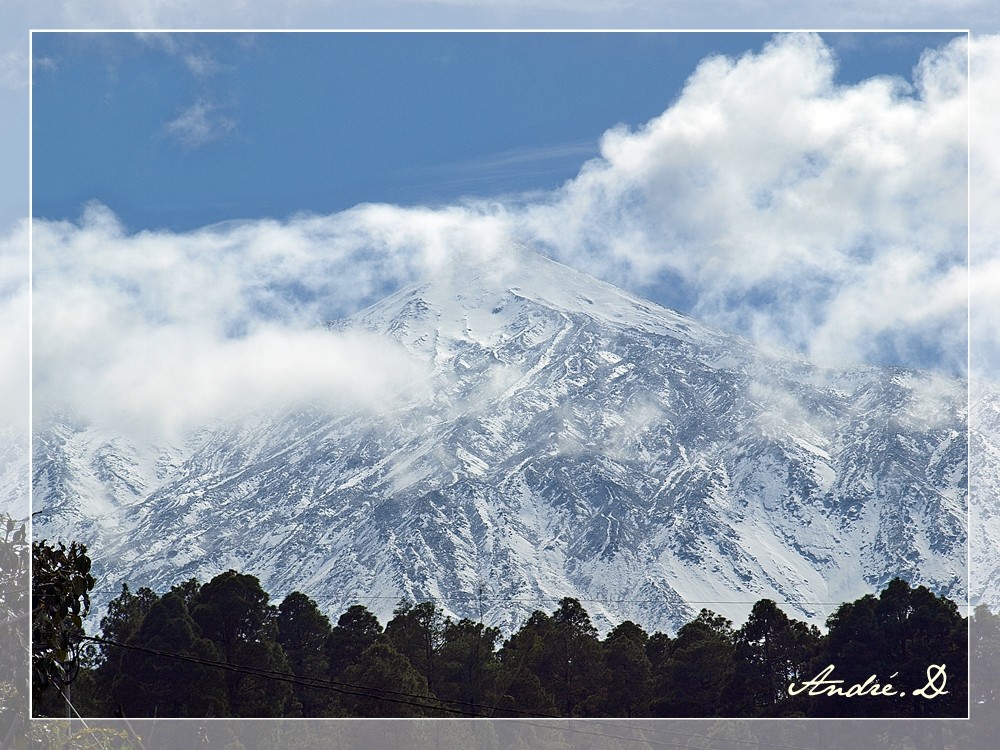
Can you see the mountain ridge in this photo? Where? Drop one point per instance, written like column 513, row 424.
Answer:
column 576, row 441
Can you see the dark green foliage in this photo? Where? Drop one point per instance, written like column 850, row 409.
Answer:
column 356, row 630
column 188, row 591
column 896, row 638
column 691, row 682
column 125, row 614
column 416, row 632
column 658, row 650
column 60, row 588
column 150, row 684
column 563, row 657
column 771, row 651
column 467, row 665
column 232, row 610
column 630, row 672
column 123, row 619
column 303, row 632
column 426, row 665
column 389, row 684
column 521, row 658
column 578, row 680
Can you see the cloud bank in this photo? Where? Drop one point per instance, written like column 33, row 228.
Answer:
column 829, row 219
column 984, row 340
column 15, row 314
column 765, row 199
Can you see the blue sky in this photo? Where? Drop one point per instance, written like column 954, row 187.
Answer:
column 185, row 130
column 806, row 192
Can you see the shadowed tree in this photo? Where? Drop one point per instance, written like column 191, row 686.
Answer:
column 391, row 686
column 416, row 632
column 233, row 611
column 579, row 680
column 188, row 591
column 520, row 658
column 124, row 617
column 466, row 663
column 897, row 637
column 630, row 672
column 771, row 651
column 699, row 666
column 356, row 630
column 165, row 684
column 563, row 654
column 303, row 632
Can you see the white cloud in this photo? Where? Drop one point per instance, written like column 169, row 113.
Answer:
column 14, row 322
column 826, row 218
column 163, row 332
column 199, row 124
column 186, row 48
column 985, row 197
column 14, row 69
column 767, row 182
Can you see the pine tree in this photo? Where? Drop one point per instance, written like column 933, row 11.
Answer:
column 416, row 632
column 579, row 678
column 466, row 663
column 303, row 632
column 771, row 651
column 151, row 684
column 356, row 630
column 630, row 672
column 124, row 616
column 520, row 660
column 391, row 686
column 698, row 668
column 233, row 611
column 897, row 637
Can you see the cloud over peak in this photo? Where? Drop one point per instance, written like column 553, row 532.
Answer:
column 767, row 199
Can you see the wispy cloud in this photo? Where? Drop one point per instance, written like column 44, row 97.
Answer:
column 823, row 218
column 984, row 339
column 14, row 69
column 186, row 48
column 500, row 174
column 200, row 124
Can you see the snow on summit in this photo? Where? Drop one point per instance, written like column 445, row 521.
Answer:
column 574, row 440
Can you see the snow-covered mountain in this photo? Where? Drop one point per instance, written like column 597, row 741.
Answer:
column 574, row 440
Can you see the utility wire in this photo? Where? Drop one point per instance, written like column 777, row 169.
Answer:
column 472, row 598
column 82, row 720
column 310, row 682
column 358, row 690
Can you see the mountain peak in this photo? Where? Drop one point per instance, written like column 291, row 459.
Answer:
column 579, row 441
column 483, row 290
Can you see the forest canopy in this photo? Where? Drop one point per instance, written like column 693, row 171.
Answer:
column 223, row 649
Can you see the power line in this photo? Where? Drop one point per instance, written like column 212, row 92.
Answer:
column 472, row 598
column 82, row 720
column 310, row 682
column 358, row 690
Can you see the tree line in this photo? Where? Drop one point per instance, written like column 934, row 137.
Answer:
column 223, row 649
